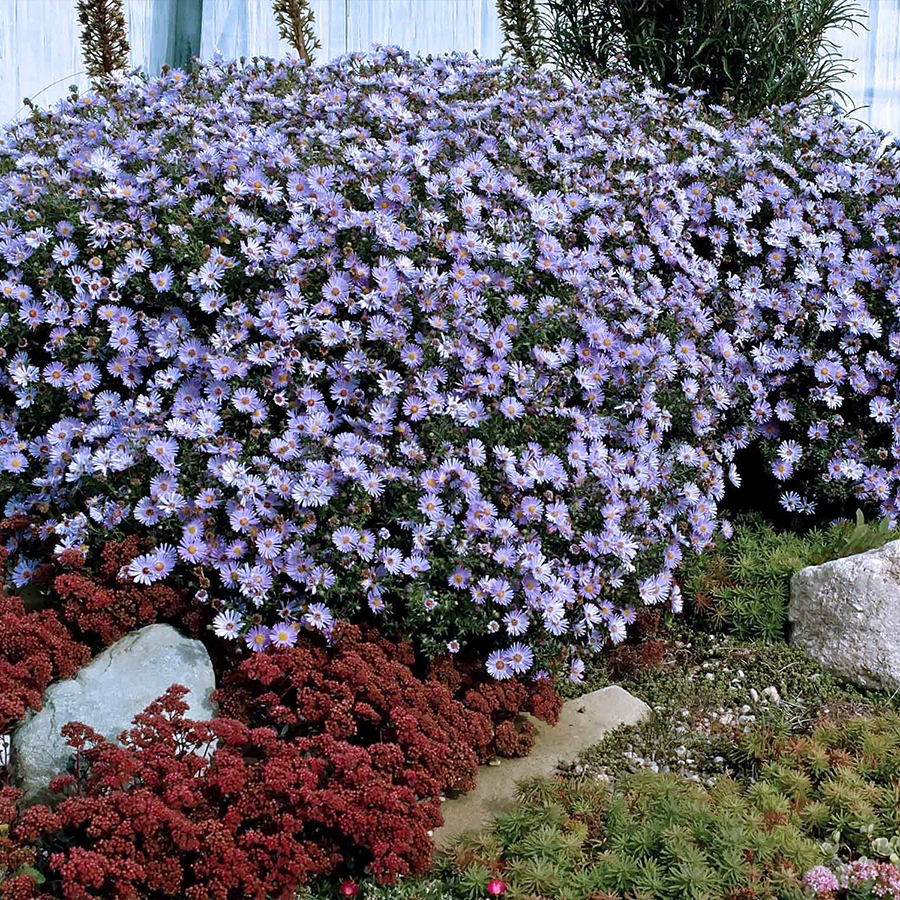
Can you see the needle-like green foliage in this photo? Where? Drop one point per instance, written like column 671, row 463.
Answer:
column 523, row 31
column 746, row 53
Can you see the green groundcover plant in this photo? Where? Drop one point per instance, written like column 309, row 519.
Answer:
column 820, row 803
column 743, row 585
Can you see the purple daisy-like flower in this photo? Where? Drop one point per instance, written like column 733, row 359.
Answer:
column 617, row 628
column 371, row 419
column 227, row 624
column 499, row 665
column 318, row 616
column 520, row 657
column 576, row 671
column 282, row 636
column 257, row 638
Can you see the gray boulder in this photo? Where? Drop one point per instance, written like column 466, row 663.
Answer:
column 119, row 683
column 846, row 615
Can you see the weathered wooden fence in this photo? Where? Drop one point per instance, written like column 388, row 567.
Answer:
column 40, row 55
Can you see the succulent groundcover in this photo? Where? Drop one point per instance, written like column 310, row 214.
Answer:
column 463, row 348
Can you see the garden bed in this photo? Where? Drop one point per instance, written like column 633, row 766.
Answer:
column 423, row 393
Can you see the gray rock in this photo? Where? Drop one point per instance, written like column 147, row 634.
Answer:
column 583, row 722
column 119, row 683
column 846, row 615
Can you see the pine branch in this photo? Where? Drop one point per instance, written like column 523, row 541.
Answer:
column 104, row 36
column 521, row 26
column 296, row 24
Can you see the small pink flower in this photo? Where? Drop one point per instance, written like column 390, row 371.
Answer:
column 495, row 887
column 349, row 889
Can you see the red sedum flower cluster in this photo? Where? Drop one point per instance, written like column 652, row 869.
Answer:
column 363, row 690
column 15, row 856
column 35, row 650
column 101, row 608
column 324, row 759
column 502, row 702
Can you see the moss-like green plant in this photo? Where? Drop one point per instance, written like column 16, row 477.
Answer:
column 832, row 794
column 843, row 781
column 828, row 795
column 104, row 36
column 296, row 25
column 656, row 836
column 743, row 585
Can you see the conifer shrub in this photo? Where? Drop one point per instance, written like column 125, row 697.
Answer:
column 748, row 54
column 743, row 585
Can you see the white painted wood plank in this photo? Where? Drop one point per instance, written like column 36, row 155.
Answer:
column 247, row 28
column 425, row 26
column 40, row 52
column 875, row 54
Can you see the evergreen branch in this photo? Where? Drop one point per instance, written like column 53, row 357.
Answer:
column 104, row 36
column 521, row 26
column 296, row 26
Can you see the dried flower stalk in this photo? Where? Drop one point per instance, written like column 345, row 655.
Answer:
column 104, row 36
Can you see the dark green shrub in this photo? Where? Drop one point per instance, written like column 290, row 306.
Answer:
column 750, row 53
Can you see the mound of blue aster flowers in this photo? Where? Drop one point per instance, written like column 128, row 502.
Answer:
column 443, row 342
